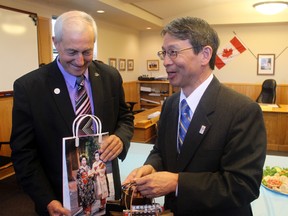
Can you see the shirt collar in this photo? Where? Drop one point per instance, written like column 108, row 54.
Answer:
column 69, row 78
column 194, row 98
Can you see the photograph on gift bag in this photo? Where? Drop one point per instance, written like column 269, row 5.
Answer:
column 89, row 180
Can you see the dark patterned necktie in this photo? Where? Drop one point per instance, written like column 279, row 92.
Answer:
column 83, row 106
column 184, row 122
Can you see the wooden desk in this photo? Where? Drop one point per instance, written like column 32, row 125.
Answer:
column 145, row 129
column 275, row 118
column 276, row 122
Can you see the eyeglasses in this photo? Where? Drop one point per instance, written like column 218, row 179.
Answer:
column 171, row 53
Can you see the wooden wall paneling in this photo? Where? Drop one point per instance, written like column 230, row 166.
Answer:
column 250, row 90
column 282, row 94
column 6, row 104
column 45, row 49
column 253, row 91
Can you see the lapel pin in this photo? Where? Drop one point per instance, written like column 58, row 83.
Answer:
column 202, row 129
column 96, row 74
column 56, row 91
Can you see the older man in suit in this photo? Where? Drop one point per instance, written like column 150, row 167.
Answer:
column 209, row 154
column 44, row 109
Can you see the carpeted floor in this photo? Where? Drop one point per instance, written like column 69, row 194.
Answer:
column 13, row 201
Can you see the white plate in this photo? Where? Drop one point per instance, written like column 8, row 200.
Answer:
column 275, row 191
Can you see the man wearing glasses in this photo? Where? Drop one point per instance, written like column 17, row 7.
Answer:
column 211, row 143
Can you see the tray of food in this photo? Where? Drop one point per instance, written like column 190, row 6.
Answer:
column 276, row 179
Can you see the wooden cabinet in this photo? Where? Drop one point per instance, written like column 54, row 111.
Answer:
column 153, row 93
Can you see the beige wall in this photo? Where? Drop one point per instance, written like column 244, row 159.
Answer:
column 150, row 44
column 120, row 42
column 260, row 39
column 113, row 41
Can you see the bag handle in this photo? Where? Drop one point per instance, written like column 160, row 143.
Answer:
column 129, row 191
column 77, row 121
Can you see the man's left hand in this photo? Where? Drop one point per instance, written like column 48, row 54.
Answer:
column 111, row 147
column 157, row 184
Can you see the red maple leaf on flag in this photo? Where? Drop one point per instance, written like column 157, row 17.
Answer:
column 227, row 52
column 232, row 49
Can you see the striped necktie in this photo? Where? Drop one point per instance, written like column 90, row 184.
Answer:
column 183, row 123
column 82, row 105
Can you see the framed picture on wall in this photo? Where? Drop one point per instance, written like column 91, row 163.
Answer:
column 153, row 65
column 266, row 64
column 112, row 62
column 130, row 64
column 122, row 65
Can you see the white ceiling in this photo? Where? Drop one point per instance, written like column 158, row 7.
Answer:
column 139, row 14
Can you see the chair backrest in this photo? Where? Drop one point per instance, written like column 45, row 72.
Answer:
column 268, row 92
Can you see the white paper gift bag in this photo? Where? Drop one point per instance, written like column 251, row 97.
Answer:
column 87, row 181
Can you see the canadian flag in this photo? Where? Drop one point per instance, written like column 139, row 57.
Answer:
column 231, row 50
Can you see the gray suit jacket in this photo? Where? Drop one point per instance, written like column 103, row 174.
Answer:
column 221, row 160
column 41, row 118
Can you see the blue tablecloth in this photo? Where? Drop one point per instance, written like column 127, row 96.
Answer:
column 269, row 203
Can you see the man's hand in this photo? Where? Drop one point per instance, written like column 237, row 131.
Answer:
column 138, row 173
column 111, row 147
column 55, row 208
column 157, row 184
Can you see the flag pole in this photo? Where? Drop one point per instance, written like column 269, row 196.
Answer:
column 246, row 46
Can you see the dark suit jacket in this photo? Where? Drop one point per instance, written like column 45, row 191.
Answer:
column 220, row 166
column 41, row 118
